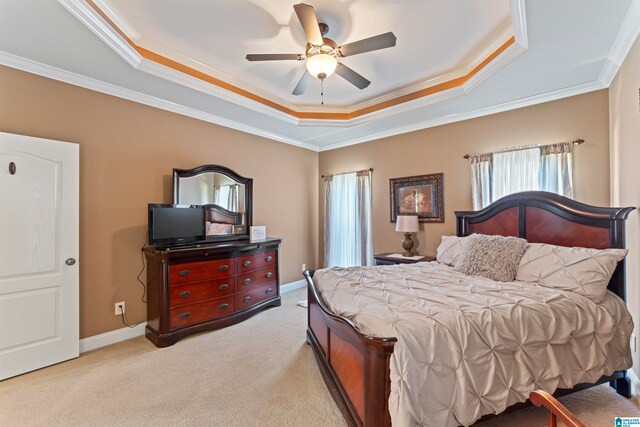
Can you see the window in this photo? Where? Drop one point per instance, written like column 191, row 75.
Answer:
column 546, row 168
column 348, row 239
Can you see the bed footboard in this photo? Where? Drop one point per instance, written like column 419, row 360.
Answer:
column 355, row 366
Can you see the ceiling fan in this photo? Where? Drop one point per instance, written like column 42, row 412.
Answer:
column 323, row 54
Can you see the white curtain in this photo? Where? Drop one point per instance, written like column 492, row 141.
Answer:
column 348, row 237
column 232, row 199
column 216, row 195
column 515, row 171
column 481, row 172
column 557, row 169
column 547, row 168
column 226, row 196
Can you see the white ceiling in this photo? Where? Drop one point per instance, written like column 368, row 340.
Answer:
column 216, row 36
column 566, row 47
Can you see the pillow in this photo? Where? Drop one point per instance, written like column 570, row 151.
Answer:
column 219, row 228
column 450, row 249
column 581, row 270
column 493, row 257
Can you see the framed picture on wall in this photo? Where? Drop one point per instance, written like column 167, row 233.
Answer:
column 418, row 195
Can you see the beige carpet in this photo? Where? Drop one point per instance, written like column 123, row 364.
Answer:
column 257, row 373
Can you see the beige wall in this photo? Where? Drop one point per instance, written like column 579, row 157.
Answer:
column 625, row 171
column 440, row 149
column 127, row 152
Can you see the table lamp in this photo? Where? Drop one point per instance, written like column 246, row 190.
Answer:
column 407, row 224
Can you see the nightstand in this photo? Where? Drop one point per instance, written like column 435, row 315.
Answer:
column 385, row 259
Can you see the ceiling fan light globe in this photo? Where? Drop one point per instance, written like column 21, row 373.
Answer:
column 322, row 64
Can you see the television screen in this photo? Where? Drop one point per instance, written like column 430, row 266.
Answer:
column 175, row 224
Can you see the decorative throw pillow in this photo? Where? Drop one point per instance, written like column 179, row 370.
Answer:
column 493, row 257
column 581, row 270
column 450, row 249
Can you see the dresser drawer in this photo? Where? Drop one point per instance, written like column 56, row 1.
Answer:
column 256, row 261
column 256, row 278
column 254, row 296
column 199, row 311
column 199, row 291
column 197, row 271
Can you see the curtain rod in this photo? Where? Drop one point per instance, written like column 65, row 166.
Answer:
column 342, row 173
column 524, row 147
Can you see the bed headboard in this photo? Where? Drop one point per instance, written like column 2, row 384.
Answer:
column 543, row 217
column 216, row 213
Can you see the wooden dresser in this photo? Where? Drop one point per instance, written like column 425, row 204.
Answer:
column 208, row 286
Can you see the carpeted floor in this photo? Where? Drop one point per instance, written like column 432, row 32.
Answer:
column 257, row 373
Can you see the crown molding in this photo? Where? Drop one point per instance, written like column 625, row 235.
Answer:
column 519, row 22
column 452, row 118
column 69, row 77
column 503, row 38
column 120, row 21
column 89, row 17
column 389, row 111
column 58, row 74
column 227, row 88
column 166, row 73
column 626, row 37
column 507, row 56
column 499, row 62
column 83, row 12
column 629, row 31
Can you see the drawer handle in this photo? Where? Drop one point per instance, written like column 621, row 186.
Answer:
column 269, row 258
column 246, row 263
column 184, row 294
column 224, row 306
column 246, row 299
column 185, row 315
column 223, row 267
column 184, row 273
column 223, row 287
column 246, row 281
column 269, row 290
column 206, row 254
column 268, row 275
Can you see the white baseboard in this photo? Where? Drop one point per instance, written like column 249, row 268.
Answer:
column 111, row 337
column 292, row 286
column 115, row 336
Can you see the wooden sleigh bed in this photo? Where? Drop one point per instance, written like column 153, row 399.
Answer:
column 355, row 366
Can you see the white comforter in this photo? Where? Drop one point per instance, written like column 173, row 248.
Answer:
column 469, row 346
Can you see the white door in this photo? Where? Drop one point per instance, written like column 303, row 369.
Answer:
column 39, row 183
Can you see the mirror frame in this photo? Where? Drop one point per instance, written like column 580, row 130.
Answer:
column 248, row 194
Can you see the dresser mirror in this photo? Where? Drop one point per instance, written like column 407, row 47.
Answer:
column 225, row 196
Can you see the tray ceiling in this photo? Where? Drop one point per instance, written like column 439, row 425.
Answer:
column 441, row 41
column 453, row 60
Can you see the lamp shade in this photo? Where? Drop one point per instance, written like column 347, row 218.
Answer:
column 407, row 223
column 322, row 64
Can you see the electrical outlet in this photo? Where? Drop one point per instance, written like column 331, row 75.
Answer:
column 118, row 310
column 304, row 267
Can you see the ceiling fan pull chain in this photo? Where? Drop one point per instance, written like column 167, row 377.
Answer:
column 321, row 91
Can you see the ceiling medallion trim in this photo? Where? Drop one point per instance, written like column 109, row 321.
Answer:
column 164, row 67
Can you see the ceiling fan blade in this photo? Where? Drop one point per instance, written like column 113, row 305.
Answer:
column 378, row 42
column 302, row 85
column 274, row 57
column 307, row 16
column 351, row 76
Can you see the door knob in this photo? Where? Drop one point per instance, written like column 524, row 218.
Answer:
column 70, row 261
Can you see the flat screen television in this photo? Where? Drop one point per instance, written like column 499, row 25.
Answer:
column 171, row 225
